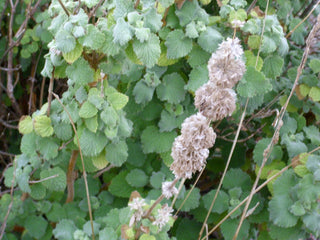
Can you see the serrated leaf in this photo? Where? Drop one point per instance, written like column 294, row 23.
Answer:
column 294, row 144
column 92, row 143
column 259, row 149
column 286, row 233
column 36, row 226
column 198, row 57
column 163, row 60
column 156, row 179
column 253, row 83
column 251, row 60
column 57, row 183
column 73, row 55
column 110, row 117
column 172, row 88
column 25, row 125
column 272, row 66
column 119, row 186
column 191, row 30
column 315, row 65
column 254, row 41
column 137, row 178
column 237, row 178
column 308, row 190
column 117, row 100
column 152, row 20
column 87, row 110
column 64, row 229
column 149, row 51
column 142, row 34
column 275, row 165
column 65, row 42
column 154, row 141
column 122, row 32
column 192, row 202
column 108, row 233
column 311, row 221
column 314, row 94
column 48, row 148
column 117, row 153
column 268, row 45
column 92, row 123
column 222, row 202
column 297, row 209
column 209, row 40
column 191, row 11
column 93, row 39
column 147, row 237
column 178, row 44
column 166, row 3
column 80, row 72
column 123, row 7
column 42, row 126
column 312, row 133
column 100, row 161
column 188, row 229
column 197, row 77
column 63, row 131
column 109, row 47
column 38, row 191
column 142, row 92
column 125, row 127
column 28, row 144
column 81, row 94
column 229, row 227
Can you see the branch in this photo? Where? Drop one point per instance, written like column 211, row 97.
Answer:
column 50, row 92
column 44, row 179
column 70, row 175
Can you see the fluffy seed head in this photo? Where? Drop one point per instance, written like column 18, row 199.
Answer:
column 196, row 132
column 168, row 190
column 215, row 103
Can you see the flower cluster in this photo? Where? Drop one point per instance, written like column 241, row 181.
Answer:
column 163, row 216
column 168, row 189
column 190, row 149
column 137, row 207
column 215, row 100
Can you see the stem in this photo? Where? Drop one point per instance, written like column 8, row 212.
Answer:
column 64, row 8
column 70, row 175
column 44, row 179
column 179, row 190
column 50, row 93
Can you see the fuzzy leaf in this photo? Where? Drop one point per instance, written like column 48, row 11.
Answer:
column 28, row 144
column 229, row 227
column 73, row 55
column 36, row 226
column 25, row 125
column 156, row 179
column 64, row 230
column 314, row 94
column 63, row 131
column 154, row 141
column 38, row 191
column 253, row 83
column 312, row 133
column 94, row 39
column 272, row 66
column 311, row 221
column 152, row 20
column 88, row 110
column 65, row 41
column 251, row 60
column 119, row 186
column 42, row 126
column 80, row 72
column 142, row 92
column 92, row 143
column 222, row 202
column 58, row 183
column 100, row 161
column 117, row 100
column 149, row 51
column 315, row 65
column 197, row 77
column 237, row 178
column 122, row 32
column 172, row 88
column 188, row 229
column 178, row 44
column 117, row 153
column 137, row 178
column 209, row 40
column 259, row 150
column 198, row 57
column 48, row 148
column 192, row 202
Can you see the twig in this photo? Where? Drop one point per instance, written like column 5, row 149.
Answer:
column 136, row 4
column 303, row 20
column 102, row 171
column 64, row 8
column 12, row 69
column 179, row 190
column 225, row 169
column 82, row 162
column 251, row 6
column 70, row 175
column 305, row 12
column 7, row 154
column 42, row 91
column 44, row 179
column 4, row 224
column 33, row 79
column 92, row 13
column 4, row 123
column 50, row 92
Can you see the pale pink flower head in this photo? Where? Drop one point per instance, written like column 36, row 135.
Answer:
column 168, row 190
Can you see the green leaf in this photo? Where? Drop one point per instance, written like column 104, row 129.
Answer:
column 145, row 236
column 251, row 60
column 28, row 144
column 81, row 94
column 123, row 7
column 92, row 123
column 109, row 47
column 92, row 143
column 64, row 229
column 312, row 220
column 88, row 110
column 192, row 202
column 110, row 117
column 108, row 233
column 178, row 44
column 117, row 100
column 154, row 141
column 198, row 57
column 156, row 179
column 142, row 34
column 42, row 126
column 65, row 42
column 137, row 178
column 312, row 133
column 229, row 227
column 48, row 148
column 191, row 30
column 254, row 41
column 188, row 229
column 122, row 32
column 294, row 144
column 209, row 40
column 253, row 83
column 166, row 3
column 142, row 92
column 197, row 77
column 297, row 209
column 25, row 125
column 315, row 65
column 191, row 11
column 73, row 55
column 237, row 178
column 36, row 226
column 272, row 66
column 222, row 202
column 117, row 153
column 100, row 161
column 286, row 233
column 80, row 72
column 63, row 131
column 93, row 39
column 308, row 190
column 38, row 191
column 119, row 186
column 259, row 148
column 163, row 60
column 58, row 182
column 268, row 45
column 149, row 51
column 314, row 94
column 152, row 20
column 172, row 88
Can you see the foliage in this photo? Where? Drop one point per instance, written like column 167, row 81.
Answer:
column 126, row 74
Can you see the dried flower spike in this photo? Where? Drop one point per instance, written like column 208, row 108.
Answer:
column 168, row 190
column 215, row 103
column 163, row 216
